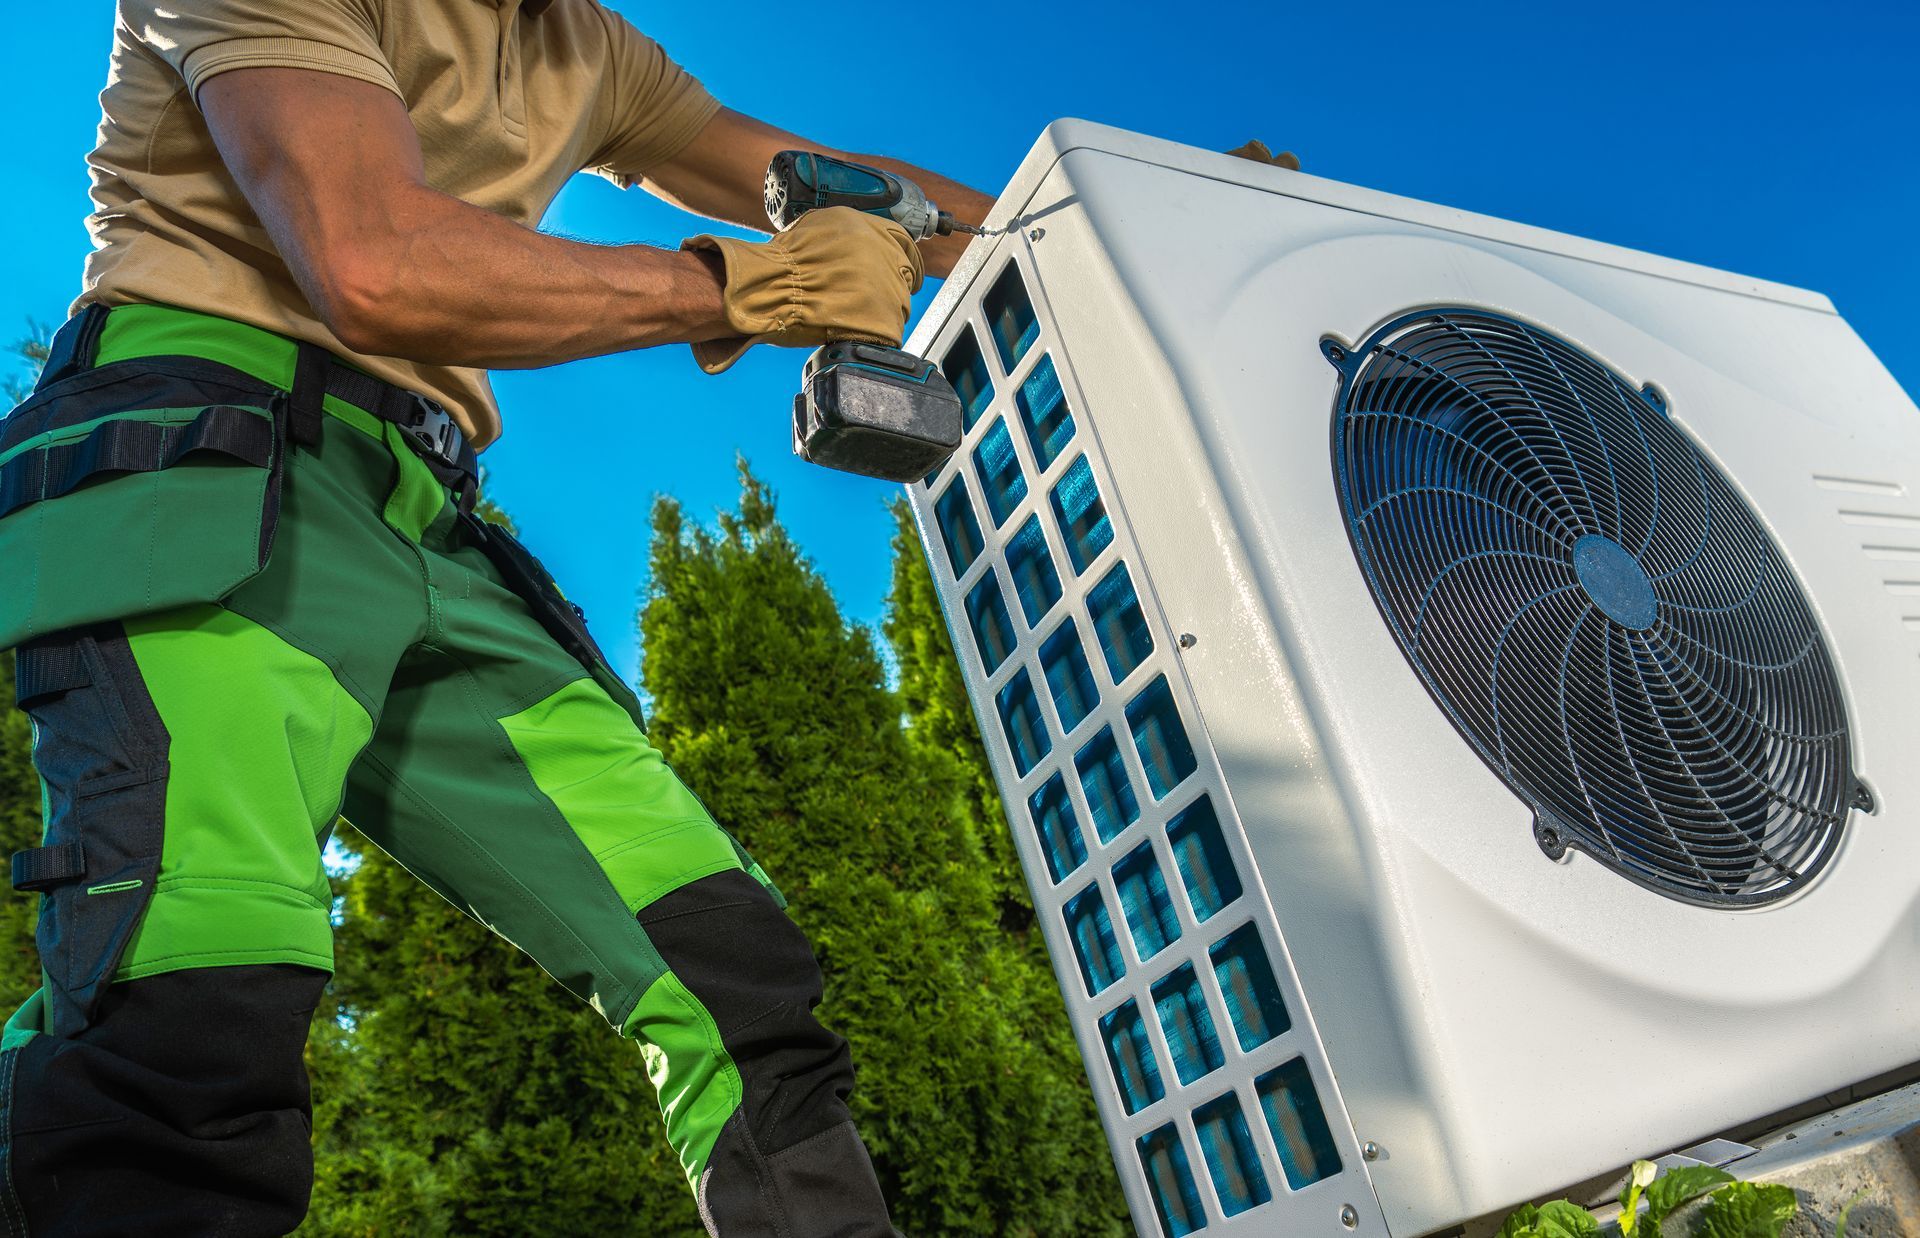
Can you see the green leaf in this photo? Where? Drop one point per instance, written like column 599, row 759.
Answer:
column 1524, row 1223
column 1679, row 1185
column 1748, row 1210
column 1561, row 1219
column 1641, row 1177
column 1558, row 1219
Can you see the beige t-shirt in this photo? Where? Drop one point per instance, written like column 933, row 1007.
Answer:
column 510, row 98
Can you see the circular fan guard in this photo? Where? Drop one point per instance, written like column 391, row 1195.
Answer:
column 1593, row 606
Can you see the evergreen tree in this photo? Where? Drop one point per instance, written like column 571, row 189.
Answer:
column 19, row 830
column 774, row 709
column 19, row 785
column 459, row 1090
column 942, row 726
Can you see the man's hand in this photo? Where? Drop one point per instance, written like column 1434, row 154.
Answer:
column 393, row 267
column 722, row 174
column 1257, row 151
column 836, row 274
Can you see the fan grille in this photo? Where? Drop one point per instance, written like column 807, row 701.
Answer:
column 1593, row 605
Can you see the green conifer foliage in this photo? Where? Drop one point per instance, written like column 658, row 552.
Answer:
column 19, row 830
column 19, row 785
column 941, row 725
column 775, row 710
column 459, row 1090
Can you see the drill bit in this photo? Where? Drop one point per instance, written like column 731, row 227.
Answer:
column 949, row 224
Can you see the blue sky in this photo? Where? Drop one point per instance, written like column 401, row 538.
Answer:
column 1770, row 139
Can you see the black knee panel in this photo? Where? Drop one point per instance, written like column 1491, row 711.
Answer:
column 788, row 1163
column 183, row 1109
column 751, row 967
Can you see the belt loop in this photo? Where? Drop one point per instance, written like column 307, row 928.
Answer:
column 309, row 389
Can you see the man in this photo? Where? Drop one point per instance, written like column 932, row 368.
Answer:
column 255, row 597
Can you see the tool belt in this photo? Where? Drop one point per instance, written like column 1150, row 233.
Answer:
column 154, row 480
column 427, row 427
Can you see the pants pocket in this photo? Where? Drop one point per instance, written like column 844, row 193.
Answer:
column 134, row 488
column 101, row 751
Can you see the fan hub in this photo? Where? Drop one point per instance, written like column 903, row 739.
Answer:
column 1615, row 582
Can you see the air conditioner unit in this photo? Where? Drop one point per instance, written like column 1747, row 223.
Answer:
column 1453, row 685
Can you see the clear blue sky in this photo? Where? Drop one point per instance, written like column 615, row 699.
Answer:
column 1770, row 139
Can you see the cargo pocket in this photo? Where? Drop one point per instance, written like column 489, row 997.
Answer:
column 101, row 750
column 564, row 621
column 136, row 487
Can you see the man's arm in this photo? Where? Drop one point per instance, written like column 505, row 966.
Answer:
column 332, row 167
column 721, row 175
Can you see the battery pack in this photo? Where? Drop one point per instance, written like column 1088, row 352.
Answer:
column 876, row 411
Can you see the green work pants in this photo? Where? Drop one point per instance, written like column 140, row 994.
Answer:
column 231, row 640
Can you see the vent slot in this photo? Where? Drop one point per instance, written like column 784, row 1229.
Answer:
column 1131, row 1055
column 1175, row 1197
column 1238, row 1181
column 1001, row 480
column 1104, row 781
column 1060, row 839
column 966, row 369
column 1298, row 1124
column 1044, row 412
column 1010, row 317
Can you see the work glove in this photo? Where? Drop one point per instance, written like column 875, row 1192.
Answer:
column 834, row 274
column 1257, row 151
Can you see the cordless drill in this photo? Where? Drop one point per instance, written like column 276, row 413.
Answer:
column 866, row 408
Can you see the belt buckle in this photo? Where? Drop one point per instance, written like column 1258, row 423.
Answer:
column 433, row 431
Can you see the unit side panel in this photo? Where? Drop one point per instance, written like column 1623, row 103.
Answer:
column 1211, row 1081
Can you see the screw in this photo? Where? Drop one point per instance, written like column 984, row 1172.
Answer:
column 1036, row 233
column 1188, row 640
column 1349, row 1217
column 1863, row 797
column 1370, row 1150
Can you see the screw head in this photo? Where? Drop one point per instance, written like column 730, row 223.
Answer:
column 1349, row 1216
column 1188, row 640
column 1863, row 797
column 1550, row 842
column 1034, row 234
column 1370, row 1150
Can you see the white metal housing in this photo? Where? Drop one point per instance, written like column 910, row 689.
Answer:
column 1489, row 1024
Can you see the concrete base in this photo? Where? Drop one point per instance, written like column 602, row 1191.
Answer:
column 1869, row 1149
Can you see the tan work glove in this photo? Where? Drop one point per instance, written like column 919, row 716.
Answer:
column 835, row 274
column 1257, row 151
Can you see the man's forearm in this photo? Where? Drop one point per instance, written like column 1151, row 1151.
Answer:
column 449, row 283
column 332, row 167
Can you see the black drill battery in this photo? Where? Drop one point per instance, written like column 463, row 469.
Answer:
column 876, row 411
